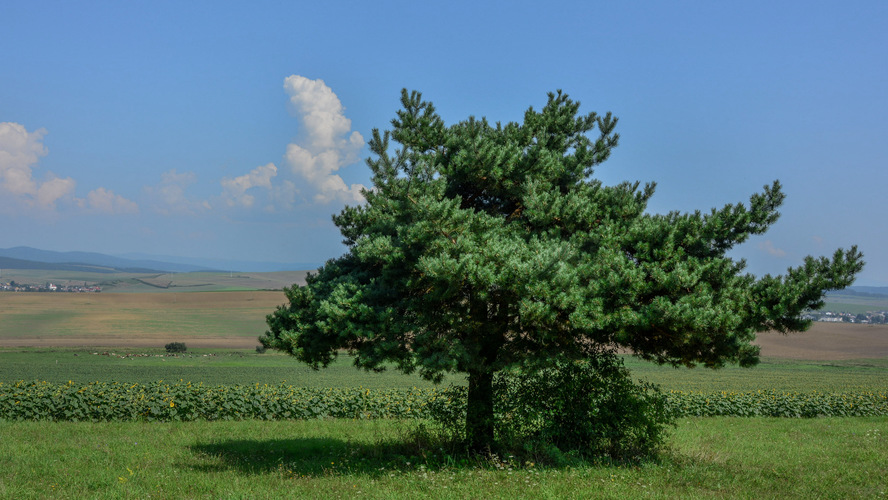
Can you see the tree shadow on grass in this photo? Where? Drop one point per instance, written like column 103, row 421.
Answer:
column 319, row 456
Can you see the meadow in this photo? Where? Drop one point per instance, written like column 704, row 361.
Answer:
column 73, row 342
column 247, row 367
column 207, row 366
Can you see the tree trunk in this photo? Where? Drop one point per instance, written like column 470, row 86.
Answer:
column 479, row 413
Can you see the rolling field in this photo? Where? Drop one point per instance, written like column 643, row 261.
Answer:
column 201, row 319
column 53, row 337
column 234, row 319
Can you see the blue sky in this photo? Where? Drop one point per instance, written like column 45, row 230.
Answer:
column 233, row 131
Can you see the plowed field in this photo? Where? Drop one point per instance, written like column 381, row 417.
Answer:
column 826, row 341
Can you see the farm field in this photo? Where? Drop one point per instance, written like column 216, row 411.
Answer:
column 53, row 337
column 233, row 320
column 201, row 319
column 827, row 341
column 207, row 366
column 229, row 367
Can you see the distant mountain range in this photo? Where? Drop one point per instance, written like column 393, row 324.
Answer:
column 33, row 258
column 865, row 291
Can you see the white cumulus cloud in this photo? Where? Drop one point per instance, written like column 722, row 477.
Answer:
column 235, row 190
column 328, row 142
column 20, row 151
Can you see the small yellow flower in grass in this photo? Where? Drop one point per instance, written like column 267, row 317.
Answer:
column 172, row 404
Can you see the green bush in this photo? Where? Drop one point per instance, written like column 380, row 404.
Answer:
column 589, row 408
column 260, row 349
column 175, row 347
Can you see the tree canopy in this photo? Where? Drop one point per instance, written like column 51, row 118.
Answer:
column 485, row 246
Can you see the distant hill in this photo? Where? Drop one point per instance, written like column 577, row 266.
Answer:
column 863, row 291
column 33, row 258
column 231, row 265
column 10, row 263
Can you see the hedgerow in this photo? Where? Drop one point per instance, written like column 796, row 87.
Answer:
column 163, row 401
column 184, row 401
column 774, row 403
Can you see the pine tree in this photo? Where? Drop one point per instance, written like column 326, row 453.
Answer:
column 482, row 247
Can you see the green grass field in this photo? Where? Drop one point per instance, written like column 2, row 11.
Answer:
column 210, row 366
column 232, row 367
column 709, row 458
column 771, row 373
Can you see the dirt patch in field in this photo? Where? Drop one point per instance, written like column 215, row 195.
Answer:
column 828, row 341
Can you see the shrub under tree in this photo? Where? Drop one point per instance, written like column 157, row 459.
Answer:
column 483, row 247
column 588, row 408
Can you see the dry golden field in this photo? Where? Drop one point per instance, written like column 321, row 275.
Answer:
column 235, row 319
column 201, row 319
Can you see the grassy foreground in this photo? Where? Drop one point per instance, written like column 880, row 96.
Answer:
column 709, row 458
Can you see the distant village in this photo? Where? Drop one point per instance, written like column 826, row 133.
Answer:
column 12, row 286
column 880, row 317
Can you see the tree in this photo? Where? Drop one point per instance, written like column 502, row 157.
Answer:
column 482, row 247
